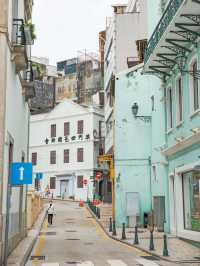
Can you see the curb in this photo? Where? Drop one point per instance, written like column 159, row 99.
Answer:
column 20, row 260
column 128, row 244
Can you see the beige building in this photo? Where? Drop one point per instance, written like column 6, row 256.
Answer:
column 66, row 86
column 16, row 88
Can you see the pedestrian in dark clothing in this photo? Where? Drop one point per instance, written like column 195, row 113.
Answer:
column 50, row 212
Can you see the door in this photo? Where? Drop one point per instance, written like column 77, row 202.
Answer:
column 159, row 212
column 132, row 208
column 64, row 189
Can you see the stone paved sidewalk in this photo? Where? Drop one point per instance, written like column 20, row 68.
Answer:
column 179, row 250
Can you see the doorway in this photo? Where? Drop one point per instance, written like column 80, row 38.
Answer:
column 159, row 212
column 64, row 189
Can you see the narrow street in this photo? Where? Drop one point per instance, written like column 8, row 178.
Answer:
column 76, row 239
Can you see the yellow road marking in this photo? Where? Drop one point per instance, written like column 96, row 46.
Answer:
column 41, row 242
column 105, row 236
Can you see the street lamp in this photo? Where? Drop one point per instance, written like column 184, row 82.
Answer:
column 145, row 118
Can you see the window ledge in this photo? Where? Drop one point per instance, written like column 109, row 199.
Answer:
column 169, row 131
column 195, row 113
column 179, row 124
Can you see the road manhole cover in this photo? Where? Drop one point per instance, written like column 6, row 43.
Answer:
column 90, row 217
column 71, row 231
column 73, row 239
column 150, row 258
column 37, row 257
column 51, row 233
column 72, row 262
column 88, row 243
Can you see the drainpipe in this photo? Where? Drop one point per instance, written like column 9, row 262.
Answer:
column 3, row 84
column 166, row 141
column 26, row 186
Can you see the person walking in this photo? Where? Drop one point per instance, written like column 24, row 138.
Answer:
column 51, row 213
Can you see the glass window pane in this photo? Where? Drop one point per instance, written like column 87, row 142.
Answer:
column 191, row 187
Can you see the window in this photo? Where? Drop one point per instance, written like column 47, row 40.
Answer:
column 53, row 131
column 170, row 108
column 191, row 195
column 154, row 170
column 66, row 156
column 34, row 158
column 152, row 103
column 80, row 127
column 195, row 85
column 52, row 182
column 80, row 181
column 179, row 100
column 66, row 129
column 52, row 157
column 37, row 184
column 80, row 155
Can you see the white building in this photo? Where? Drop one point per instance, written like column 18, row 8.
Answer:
column 64, row 145
column 16, row 87
column 127, row 25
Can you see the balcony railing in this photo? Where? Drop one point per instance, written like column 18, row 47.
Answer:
column 18, row 37
column 164, row 22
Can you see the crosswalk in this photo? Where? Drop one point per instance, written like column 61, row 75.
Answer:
column 142, row 262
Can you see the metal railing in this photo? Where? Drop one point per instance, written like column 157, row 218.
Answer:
column 164, row 22
column 28, row 74
column 18, row 34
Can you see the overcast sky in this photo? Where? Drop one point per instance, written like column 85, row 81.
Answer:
column 65, row 26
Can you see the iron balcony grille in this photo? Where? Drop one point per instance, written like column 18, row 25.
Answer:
column 28, row 74
column 164, row 22
column 18, row 36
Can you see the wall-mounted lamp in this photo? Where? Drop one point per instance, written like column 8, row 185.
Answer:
column 135, row 109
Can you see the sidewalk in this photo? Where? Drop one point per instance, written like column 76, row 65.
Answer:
column 20, row 255
column 179, row 250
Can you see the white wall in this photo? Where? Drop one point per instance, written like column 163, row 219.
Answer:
column 66, row 111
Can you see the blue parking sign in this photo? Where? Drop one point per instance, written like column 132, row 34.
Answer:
column 21, row 173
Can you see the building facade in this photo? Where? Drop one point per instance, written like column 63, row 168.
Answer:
column 120, row 47
column 66, row 83
column 16, row 87
column 64, row 145
column 174, row 58
column 45, row 76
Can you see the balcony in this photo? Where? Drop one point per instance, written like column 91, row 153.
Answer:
column 177, row 30
column 22, row 36
column 28, row 83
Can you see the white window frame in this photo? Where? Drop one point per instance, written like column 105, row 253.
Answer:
column 179, row 119
column 191, row 88
column 170, row 115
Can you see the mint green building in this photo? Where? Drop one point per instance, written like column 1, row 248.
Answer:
column 173, row 55
column 141, row 179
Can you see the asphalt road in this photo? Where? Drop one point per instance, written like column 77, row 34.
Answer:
column 76, row 239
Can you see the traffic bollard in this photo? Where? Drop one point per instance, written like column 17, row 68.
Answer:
column 114, row 232
column 165, row 249
column 151, row 246
column 136, row 240
column 99, row 213
column 110, row 225
column 123, row 231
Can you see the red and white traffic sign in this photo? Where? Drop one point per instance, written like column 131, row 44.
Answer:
column 85, row 181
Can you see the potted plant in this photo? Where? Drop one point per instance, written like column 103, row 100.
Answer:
column 29, row 31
